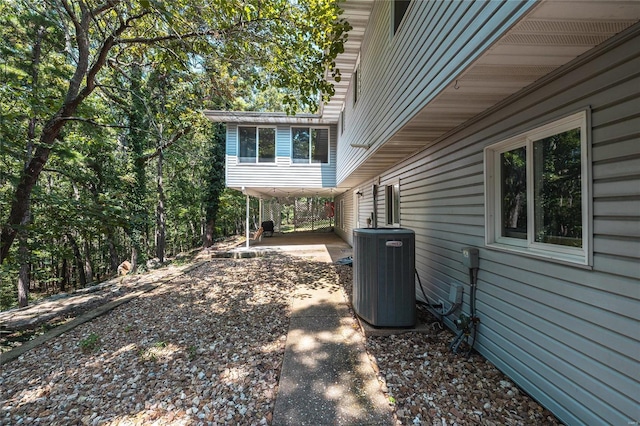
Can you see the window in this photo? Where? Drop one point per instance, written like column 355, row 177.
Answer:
column 399, row 9
column 357, row 86
column 257, row 144
column 537, row 191
column 309, row 145
column 342, row 120
column 392, row 204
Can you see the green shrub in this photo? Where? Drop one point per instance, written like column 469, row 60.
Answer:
column 90, row 343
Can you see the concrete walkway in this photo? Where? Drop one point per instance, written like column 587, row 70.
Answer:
column 326, row 376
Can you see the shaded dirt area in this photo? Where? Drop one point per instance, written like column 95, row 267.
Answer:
column 21, row 325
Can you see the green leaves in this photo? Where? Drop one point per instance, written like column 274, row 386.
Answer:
column 91, row 343
column 124, row 82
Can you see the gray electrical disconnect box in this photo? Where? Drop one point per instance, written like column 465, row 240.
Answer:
column 470, row 257
column 455, row 293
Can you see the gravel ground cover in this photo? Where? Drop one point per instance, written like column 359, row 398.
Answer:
column 203, row 349
column 21, row 325
column 207, row 348
column 430, row 385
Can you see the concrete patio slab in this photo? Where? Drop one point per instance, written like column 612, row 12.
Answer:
column 370, row 331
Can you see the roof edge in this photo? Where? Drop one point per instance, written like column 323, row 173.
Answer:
column 264, row 117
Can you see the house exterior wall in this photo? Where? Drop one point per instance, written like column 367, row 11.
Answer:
column 436, row 41
column 566, row 334
column 345, row 209
column 282, row 172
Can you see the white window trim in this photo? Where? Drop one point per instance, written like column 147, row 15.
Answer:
column 357, row 82
column 395, row 221
column 493, row 239
column 257, row 159
column 310, row 163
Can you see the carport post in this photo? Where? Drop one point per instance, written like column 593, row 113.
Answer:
column 247, row 224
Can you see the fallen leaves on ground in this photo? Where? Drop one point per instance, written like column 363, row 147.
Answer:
column 207, row 348
column 204, row 348
column 430, row 385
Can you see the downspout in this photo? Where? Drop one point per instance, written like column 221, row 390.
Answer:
column 374, row 190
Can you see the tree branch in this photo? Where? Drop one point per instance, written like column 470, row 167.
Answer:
column 211, row 32
column 106, row 91
column 146, row 158
column 101, row 59
column 83, row 52
column 82, row 181
column 101, row 8
column 94, row 123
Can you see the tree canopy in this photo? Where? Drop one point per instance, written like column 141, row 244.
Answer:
column 94, row 92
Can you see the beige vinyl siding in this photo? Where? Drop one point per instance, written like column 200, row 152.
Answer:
column 568, row 335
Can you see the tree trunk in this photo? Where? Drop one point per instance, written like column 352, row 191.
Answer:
column 85, row 72
column 88, row 267
column 65, row 275
column 194, row 232
column 113, row 253
column 24, row 275
column 55, row 272
column 209, row 233
column 134, row 258
column 160, row 216
column 29, row 177
column 138, row 124
column 78, row 258
column 214, row 185
column 175, row 241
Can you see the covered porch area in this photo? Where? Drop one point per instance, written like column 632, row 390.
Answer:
column 307, row 244
column 317, row 246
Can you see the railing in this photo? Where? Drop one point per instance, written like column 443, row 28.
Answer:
column 299, row 214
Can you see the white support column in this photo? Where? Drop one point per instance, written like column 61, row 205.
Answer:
column 247, row 224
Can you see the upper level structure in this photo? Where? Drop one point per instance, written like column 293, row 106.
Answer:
column 412, row 71
column 275, row 155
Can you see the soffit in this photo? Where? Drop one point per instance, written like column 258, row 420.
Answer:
column 551, row 35
column 268, row 192
column 356, row 12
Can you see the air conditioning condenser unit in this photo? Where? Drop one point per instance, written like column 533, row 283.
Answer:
column 383, row 276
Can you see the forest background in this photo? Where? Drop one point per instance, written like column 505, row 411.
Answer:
column 105, row 154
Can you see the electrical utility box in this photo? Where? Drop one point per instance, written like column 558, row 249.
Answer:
column 470, row 257
column 383, row 276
